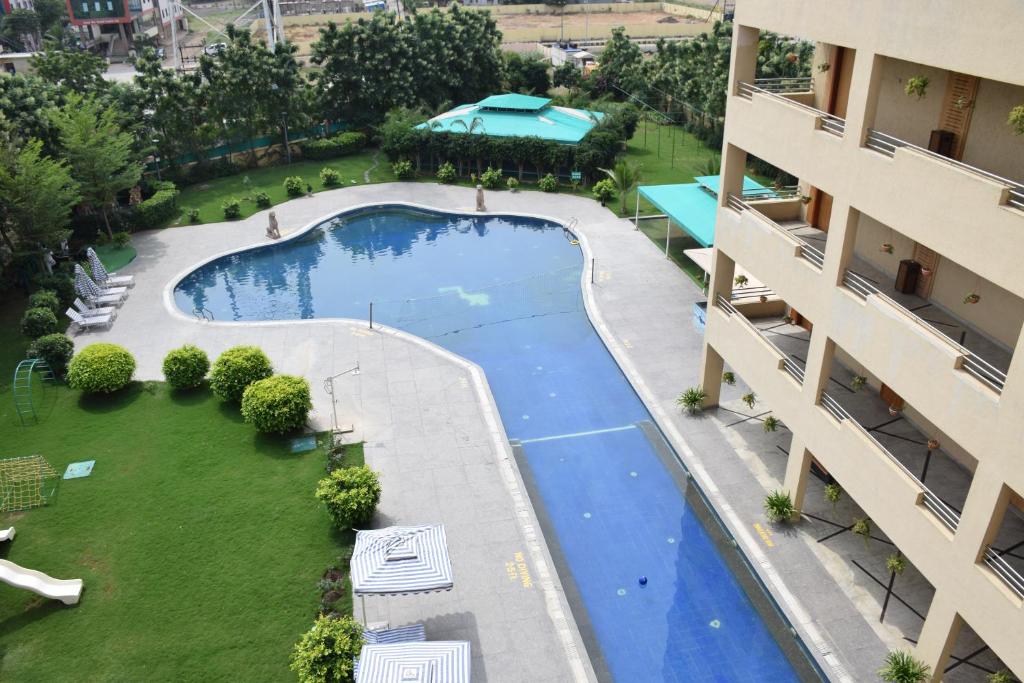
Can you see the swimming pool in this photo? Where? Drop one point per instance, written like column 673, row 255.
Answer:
column 505, row 292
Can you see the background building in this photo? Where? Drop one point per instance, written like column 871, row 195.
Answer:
column 114, row 25
column 892, row 285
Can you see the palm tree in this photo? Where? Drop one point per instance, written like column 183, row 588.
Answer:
column 471, row 127
column 901, row 667
column 625, row 176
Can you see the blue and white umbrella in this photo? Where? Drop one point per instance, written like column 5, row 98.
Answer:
column 99, row 271
column 84, row 285
column 441, row 661
column 400, row 560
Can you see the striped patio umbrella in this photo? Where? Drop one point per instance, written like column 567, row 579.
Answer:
column 441, row 661
column 84, row 284
column 400, row 560
column 98, row 271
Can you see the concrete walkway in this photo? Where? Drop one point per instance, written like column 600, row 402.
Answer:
column 431, row 429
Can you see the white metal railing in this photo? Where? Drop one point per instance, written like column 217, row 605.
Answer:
column 887, row 145
column 813, row 254
column 946, row 514
column 972, row 364
column 833, row 407
column 725, row 305
column 735, row 203
column 794, row 370
column 830, row 123
column 784, row 192
column 788, row 84
column 807, row 251
column 750, row 293
column 1010, row 576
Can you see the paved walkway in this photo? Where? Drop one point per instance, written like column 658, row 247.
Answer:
column 427, row 426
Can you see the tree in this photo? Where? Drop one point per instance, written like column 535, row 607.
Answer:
column 24, row 104
column 21, row 27
column 52, row 14
column 526, row 73
column 901, row 667
column 567, row 76
column 622, row 66
column 76, row 70
column 38, row 193
column 625, row 176
column 101, row 154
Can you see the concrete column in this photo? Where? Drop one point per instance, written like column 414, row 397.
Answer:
column 734, row 165
column 711, row 363
column 819, row 364
column 938, row 635
column 798, row 468
column 983, row 513
column 863, row 102
column 711, row 367
column 743, row 59
column 842, row 237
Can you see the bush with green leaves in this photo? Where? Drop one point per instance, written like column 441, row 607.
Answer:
column 193, row 215
column 548, row 183
column 833, row 494
column 512, row 183
column 749, row 399
column 45, row 298
column 330, row 177
column 403, row 169
column 122, row 239
column 604, row 190
column 1001, row 676
column 778, row 506
column 862, row 527
column 728, row 378
column 60, row 282
column 186, row 367
column 277, row 405
column 334, row 146
column 232, row 208
column 38, row 321
column 56, row 349
column 771, row 423
column 101, row 369
column 351, row 495
column 491, row 178
column 294, row 186
column 901, row 667
column 236, row 369
column 157, row 210
column 262, row 200
column 326, row 652
column 446, row 173
column 692, row 400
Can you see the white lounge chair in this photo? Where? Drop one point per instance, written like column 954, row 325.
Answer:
column 93, row 321
column 123, row 291
column 102, row 300
column 104, row 278
column 89, row 311
column 7, row 534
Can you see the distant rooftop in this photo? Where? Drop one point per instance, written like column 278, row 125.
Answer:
column 518, row 115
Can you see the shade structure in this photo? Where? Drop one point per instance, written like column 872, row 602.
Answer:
column 400, row 560
column 442, row 661
column 98, row 269
column 84, row 284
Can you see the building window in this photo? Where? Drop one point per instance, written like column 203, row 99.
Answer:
column 97, row 6
column 110, row 6
column 85, row 8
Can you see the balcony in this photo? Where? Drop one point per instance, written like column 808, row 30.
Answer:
column 793, row 92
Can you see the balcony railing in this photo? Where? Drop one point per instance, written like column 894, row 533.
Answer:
column 1010, row 576
column 977, row 367
column 808, row 252
column 813, row 254
column 832, row 406
column 793, row 370
column 887, row 145
column 788, row 365
column 946, row 514
column 784, row 192
column 776, row 87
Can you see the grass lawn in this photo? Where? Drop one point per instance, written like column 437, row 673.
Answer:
column 199, row 542
column 208, row 197
column 115, row 258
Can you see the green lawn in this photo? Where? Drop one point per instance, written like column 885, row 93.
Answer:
column 208, row 197
column 200, row 543
column 115, row 258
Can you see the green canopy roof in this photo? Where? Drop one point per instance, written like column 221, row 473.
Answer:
column 517, row 115
column 514, row 102
column 693, row 206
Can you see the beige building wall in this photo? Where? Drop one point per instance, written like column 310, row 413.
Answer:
column 900, row 197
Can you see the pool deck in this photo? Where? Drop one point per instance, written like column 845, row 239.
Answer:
column 433, row 432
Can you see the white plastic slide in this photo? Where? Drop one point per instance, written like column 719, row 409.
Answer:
column 7, row 534
column 66, row 590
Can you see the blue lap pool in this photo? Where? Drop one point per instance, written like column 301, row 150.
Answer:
column 505, row 292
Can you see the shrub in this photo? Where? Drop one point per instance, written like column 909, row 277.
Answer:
column 749, row 399
column 45, row 298
column 326, row 652
column 901, row 667
column 548, row 183
column 896, row 564
column 446, row 173
column 61, row 283
column 1016, row 119
column 334, row 146
column 330, row 177
column 604, row 190
column 491, row 178
column 122, row 239
column 771, row 423
column 728, row 378
column 232, row 208
column 403, row 169
column 778, row 506
column 186, row 367
column 237, row 368
column 193, row 215
column 862, row 527
column 38, row 321
column 351, row 495
column 157, row 210
column 917, row 86
column 262, row 200
column 56, row 349
column 833, row 494
column 692, row 399
column 293, row 185
column 512, row 184
column 101, row 368
column 277, row 405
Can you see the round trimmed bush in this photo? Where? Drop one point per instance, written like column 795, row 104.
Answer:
column 446, row 173
column 548, row 183
column 277, row 405
column 37, row 322
column 45, row 298
column 237, row 368
column 55, row 349
column 186, row 367
column 294, row 186
column 101, row 369
column 326, row 652
column 351, row 495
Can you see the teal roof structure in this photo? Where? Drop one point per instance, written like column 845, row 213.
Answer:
column 693, row 206
column 518, row 115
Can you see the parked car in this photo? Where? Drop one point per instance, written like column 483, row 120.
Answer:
column 215, row 48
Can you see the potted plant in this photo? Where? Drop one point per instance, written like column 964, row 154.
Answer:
column 771, row 423
column 862, row 527
column 858, row 382
column 894, row 411
column 740, row 280
column 750, row 399
column 805, row 199
column 763, row 298
column 1016, row 119
column 926, row 271
column 833, row 492
column 933, row 444
column 823, row 67
column 972, row 298
column 886, row 248
column 901, row 667
column 778, row 507
column 917, row 86
column 692, row 400
column 1001, row 676
column 728, row 378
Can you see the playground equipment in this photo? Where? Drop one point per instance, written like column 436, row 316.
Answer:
column 26, row 482
column 67, row 591
column 26, row 396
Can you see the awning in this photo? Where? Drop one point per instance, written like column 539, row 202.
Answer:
column 400, row 560
column 441, row 661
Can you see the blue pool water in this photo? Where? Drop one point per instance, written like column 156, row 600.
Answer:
column 505, row 293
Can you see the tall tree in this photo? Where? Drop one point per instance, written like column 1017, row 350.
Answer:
column 173, row 108
column 526, row 73
column 622, row 66
column 476, row 35
column 567, row 76
column 21, row 28
column 24, row 103
column 102, row 156
column 52, row 15
column 76, row 70
column 38, row 193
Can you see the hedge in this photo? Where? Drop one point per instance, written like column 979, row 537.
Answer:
column 236, row 369
column 277, row 405
column 334, row 146
column 37, row 322
column 45, row 298
column 55, row 349
column 101, row 369
column 185, row 367
column 157, row 210
column 351, row 495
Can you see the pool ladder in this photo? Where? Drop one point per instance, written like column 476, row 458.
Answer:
column 569, row 228
column 202, row 313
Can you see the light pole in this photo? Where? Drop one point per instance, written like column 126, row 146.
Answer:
column 284, row 122
column 329, row 388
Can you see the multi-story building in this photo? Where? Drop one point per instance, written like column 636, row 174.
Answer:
column 7, row 6
column 117, row 23
column 901, row 257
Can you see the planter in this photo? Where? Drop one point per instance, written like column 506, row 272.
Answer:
column 972, row 299
column 894, row 411
column 933, row 444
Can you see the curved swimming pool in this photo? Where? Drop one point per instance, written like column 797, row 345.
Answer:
column 505, row 293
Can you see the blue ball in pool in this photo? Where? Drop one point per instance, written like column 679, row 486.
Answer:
column 643, row 580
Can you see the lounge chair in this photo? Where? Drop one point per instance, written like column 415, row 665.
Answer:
column 93, row 321
column 89, row 311
column 102, row 300
column 104, row 278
